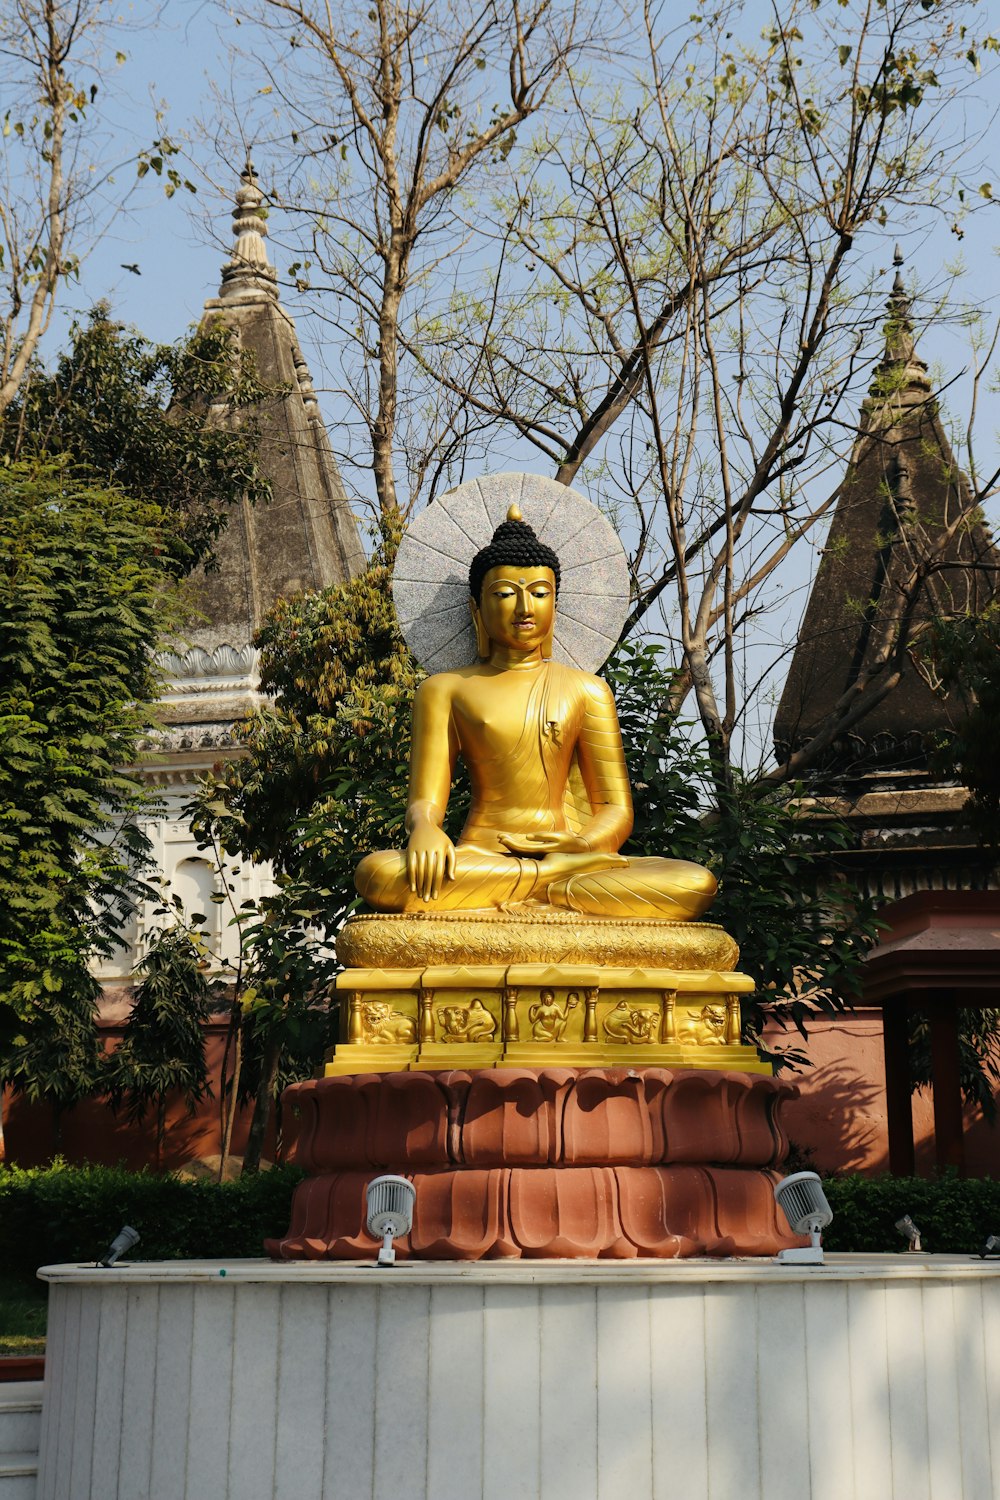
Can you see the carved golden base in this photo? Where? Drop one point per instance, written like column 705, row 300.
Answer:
column 532, row 935
column 541, row 1015
column 347, row 1061
column 369, row 1059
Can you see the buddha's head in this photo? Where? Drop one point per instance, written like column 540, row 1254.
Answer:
column 513, row 585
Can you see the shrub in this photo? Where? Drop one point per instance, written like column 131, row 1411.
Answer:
column 57, row 1214
column 62, row 1214
column 954, row 1214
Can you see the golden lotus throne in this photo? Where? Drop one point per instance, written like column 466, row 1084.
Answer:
column 532, row 939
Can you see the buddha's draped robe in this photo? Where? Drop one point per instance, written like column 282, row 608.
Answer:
column 544, row 754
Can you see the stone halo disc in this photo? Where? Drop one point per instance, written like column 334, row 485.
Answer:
column 430, row 582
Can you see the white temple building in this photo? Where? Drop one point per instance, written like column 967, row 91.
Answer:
column 306, row 538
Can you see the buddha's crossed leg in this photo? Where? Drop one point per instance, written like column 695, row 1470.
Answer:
column 599, row 885
column 671, row 890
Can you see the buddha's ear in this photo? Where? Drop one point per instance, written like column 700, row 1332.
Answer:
column 483, row 642
column 549, row 640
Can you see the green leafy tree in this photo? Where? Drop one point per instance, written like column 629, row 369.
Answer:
column 83, row 599
column 329, row 759
column 132, row 414
column 323, row 778
column 162, row 1050
column 978, row 1057
column 273, row 988
column 287, row 1021
column 964, row 655
column 324, row 773
column 802, row 928
column 52, row 1052
column 112, row 487
column 668, row 770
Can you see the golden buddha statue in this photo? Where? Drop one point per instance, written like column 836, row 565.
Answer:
column 531, row 940
column 551, row 805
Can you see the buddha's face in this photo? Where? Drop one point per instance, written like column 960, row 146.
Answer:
column 518, row 606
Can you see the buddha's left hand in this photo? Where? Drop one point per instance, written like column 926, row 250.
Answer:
column 544, row 843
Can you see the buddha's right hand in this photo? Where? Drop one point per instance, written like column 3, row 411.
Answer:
column 430, row 860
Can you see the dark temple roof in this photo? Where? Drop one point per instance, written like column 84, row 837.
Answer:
column 307, row 537
column 902, row 487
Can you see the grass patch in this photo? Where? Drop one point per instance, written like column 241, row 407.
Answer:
column 23, row 1312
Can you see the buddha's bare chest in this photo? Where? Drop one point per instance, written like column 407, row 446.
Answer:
column 496, row 717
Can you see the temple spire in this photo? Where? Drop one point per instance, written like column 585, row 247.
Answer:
column 901, row 374
column 248, row 270
column 903, row 498
column 306, row 538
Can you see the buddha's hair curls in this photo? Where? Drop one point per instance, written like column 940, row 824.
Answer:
column 514, row 545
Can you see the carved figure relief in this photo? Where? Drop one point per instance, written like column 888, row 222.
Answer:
column 384, row 1025
column 550, row 1017
column 472, row 1023
column 632, row 1024
column 704, row 1028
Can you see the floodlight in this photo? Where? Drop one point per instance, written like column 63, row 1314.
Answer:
column 906, row 1226
column 803, row 1203
column 991, row 1246
column 389, row 1212
column 123, row 1240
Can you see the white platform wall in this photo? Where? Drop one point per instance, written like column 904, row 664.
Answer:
column 20, row 1420
column 873, row 1378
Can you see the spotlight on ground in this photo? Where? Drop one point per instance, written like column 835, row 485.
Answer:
column 991, row 1246
column 389, row 1213
column 803, row 1203
column 123, row 1241
column 906, row 1226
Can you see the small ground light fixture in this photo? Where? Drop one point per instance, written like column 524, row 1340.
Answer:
column 906, row 1226
column 122, row 1242
column 991, row 1246
column 389, row 1211
column 803, row 1203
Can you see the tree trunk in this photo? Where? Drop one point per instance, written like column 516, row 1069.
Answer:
column 161, row 1120
column 279, row 1133
column 232, row 1101
column 234, row 1022
column 262, row 1107
column 3, row 1144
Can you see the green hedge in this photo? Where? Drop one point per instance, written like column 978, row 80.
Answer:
column 954, row 1214
column 60, row 1213
column 57, row 1214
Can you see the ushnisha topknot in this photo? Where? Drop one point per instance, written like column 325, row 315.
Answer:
column 514, row 545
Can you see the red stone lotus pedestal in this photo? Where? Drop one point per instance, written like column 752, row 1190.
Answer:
column 542, row 1162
